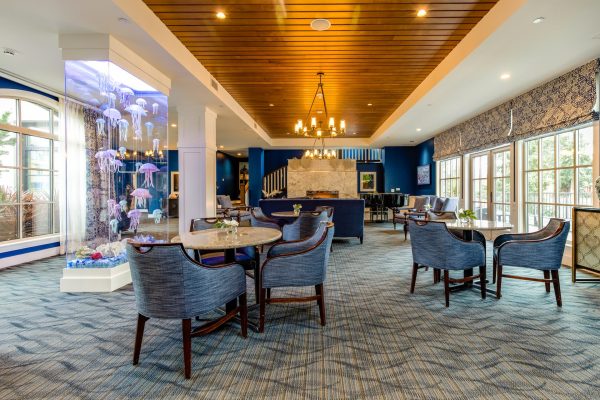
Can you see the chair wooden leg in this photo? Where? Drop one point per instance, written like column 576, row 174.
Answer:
column 483, row 279
column 256, row 282
column 447, row 287
column 186, row 330
column 547, row 284
column 494, row 270
column 556, row 283
column 414, row 277
column 405, row 231
column 499, row 281
column 139, row 335
column 261, row 318
column 320, row 290
column 243, row 314
column 269, row 293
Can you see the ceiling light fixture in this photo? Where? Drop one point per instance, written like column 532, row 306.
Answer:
column 239, row 154
column 422, row 12
column 370, row 104
column 271, row 105
column 221, row 147
column 539, row 20
column 221, row 15
column 504, row 76
column 418, row 129
column 320, row 24
column 174, row 125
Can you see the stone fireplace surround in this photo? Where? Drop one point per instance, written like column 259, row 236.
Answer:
column 304, row 175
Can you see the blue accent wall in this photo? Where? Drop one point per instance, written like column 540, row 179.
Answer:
column 399, row 168
column 256, row 170
column 228, row 172
column 275, row 159
column 371, row 167
column 424, row 155
column 8, row 84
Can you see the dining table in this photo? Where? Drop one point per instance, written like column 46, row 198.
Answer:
column 220, row 239
column 483, row 226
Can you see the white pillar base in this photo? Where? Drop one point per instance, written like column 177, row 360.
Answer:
column 99, row 280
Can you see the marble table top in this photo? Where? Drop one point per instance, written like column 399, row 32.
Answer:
column 478, row 225
column 284, row 214
column 218, row 239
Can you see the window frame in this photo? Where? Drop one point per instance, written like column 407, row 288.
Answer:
column 575, row 167
column 20, row 169
column 442, row 181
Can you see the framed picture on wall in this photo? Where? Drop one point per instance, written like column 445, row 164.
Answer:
column 174, row 182
column 423, row 175
column 368, row 181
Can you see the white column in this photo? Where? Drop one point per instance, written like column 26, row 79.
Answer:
column 197, row 145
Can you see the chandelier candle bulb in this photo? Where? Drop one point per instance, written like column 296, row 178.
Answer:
column 342, row 125
column 313, row 122
column 331, row 123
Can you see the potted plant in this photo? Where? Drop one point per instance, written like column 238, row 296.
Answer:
column 466, row 216
column 297, row 208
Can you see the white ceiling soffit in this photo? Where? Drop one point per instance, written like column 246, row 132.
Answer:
column 531, row 54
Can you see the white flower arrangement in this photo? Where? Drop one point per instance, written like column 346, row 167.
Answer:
column 227, row 223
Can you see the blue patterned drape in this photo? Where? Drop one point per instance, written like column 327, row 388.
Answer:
column 563, row 102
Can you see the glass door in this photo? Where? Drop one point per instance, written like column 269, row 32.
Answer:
column 491, row 186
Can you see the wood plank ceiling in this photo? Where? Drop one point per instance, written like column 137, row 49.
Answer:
column 265, row 52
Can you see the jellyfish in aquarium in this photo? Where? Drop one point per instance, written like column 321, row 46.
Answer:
column 154, row 108
column 137, row 166
column 125, row 95
column 113, row 115
column 140, row 195
column 157, row 215
column 137, row 113
column 123, row 125
column 116, row 165
column 100, row 122
column 114, row 225
column 122, row 151
column 147, row 169
column 155, row 144
column 110, row 205
column 103, row 84
column 134, row 218
column 141, row 102
column 149, row 128
column 123, row 204
column 103, row 158
column 111, row 100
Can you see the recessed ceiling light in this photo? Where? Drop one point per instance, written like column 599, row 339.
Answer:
column 369, row 104
column 505, row 76
column 354, row 133
column 319, row 111
column 418, row 129
column 320, row 24
column 422, row 12
column 271, row 105
column 221, row 147
column 287, row 133
column 221, row 15
column 239, row 154
column 123, row 20
column 174, row 125
column 539, row 20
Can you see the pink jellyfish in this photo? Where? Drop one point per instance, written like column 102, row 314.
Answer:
column 116, row 164
column 141, row 195
column 155, row 108
column 110, row 203
column 113, row 116
column 141, row 102
column 134, row 216
column 147, row 169
column 125, row 95
column 123, row 128
column 103, row 160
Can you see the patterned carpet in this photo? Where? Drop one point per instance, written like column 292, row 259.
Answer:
column 380, row 341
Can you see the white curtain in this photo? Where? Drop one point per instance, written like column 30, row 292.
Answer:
column 73, row 178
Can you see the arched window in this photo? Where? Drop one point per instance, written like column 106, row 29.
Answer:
column 28, row 166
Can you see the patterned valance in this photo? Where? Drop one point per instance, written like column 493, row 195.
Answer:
column 568, row 100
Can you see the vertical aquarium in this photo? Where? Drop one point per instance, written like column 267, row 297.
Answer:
column 116, row 141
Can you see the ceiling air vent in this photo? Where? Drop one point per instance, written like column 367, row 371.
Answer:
column 214, row 84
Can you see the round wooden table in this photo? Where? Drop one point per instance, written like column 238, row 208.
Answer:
column 284, row 214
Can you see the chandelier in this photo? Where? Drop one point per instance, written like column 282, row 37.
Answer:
column 315, row 129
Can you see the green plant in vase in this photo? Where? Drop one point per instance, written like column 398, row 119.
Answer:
column 297, row 208
column 466, row 216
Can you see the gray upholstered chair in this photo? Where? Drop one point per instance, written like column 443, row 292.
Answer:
column 259, row 219
column 542, row 250
column 240, row 213
column 297, row 264
column 402, row 215
column 168, row 284
column 328, row 209
column 248, row 257
column 443, row 208
column 304, row 226
column 434, row 246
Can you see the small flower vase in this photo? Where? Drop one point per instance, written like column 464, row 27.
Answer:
column 464, row 220
column 232, row 230
column 296, row 212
